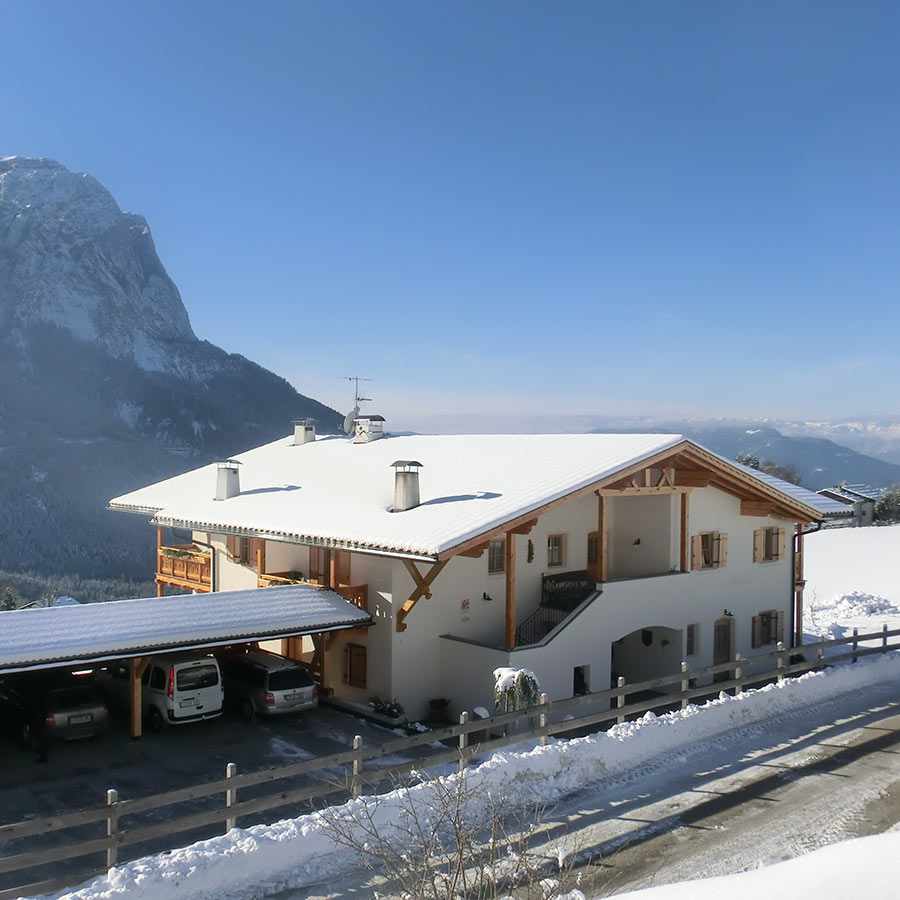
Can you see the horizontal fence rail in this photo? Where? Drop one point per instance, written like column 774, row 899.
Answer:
column 117, row 824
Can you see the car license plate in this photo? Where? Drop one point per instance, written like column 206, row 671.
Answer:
column 293, row 697
column 80, row 720
column 185, row 703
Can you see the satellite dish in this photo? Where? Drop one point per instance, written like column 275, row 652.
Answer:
column 348, row 419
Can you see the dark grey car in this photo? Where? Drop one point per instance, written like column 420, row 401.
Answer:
column 45, row 707
column 260, row 683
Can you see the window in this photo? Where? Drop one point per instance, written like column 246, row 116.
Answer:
column 356, row 655
column 709, row 550
column 769, row 544
column 243, row 549
column 768, row 628
column 581, row 680
column 556, row 550
column 690, row 640
column 496, row 556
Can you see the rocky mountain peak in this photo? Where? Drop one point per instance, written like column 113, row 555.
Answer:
column 70, row 257
column 103, row 384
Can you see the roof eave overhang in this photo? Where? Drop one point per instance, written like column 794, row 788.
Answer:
column 783, row 504
column 291, row 538
column 133, row 508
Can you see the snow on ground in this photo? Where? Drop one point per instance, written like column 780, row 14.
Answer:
column 854, row 577
column 843, row 560
column 852, row 581
column 864, row 868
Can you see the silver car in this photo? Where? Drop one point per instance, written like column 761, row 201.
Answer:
column 260, row 683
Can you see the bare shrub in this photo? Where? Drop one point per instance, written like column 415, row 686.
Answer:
column 447, row 839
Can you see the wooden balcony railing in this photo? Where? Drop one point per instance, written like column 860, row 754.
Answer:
column 358, row 594
column 185, row 566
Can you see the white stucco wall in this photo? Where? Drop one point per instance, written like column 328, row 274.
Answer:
column 640, row 536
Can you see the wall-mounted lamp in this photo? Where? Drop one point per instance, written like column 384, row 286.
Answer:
column 726, row 612
column 487, row 597
column 636, row 542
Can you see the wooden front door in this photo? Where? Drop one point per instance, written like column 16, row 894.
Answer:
column 722, row 646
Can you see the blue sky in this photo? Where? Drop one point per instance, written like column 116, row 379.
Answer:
column 498, row 208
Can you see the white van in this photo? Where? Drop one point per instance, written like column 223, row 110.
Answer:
column 175, row 688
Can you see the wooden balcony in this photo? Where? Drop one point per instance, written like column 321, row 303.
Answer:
column 185, row 566
column 357, row 594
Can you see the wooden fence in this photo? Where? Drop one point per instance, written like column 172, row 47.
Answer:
column 104, row 832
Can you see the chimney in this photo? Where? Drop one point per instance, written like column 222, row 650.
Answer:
column 367, row 429
column 304, row 431
column 228, row 482
column 406, row 484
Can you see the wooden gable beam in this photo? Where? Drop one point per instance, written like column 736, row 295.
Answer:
column 524, row 528
column 757, row 508
column 693, row 477
column 477, row 550
column 423, row 585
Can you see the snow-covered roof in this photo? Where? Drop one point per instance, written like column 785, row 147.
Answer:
column 336, row 492
column 824, row 505
column 31, row 638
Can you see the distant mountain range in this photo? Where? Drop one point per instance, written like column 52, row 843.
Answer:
column 821, row 462
column 103, row 384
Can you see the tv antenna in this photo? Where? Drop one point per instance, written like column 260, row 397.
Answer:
column 348, row 419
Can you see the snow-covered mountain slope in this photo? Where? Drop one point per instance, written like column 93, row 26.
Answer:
column 103, row 384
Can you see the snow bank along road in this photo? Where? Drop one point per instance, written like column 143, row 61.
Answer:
column 668, row 797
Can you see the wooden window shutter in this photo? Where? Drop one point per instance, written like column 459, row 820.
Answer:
column 696, row 552
column 232, row 545
column 759, row 546
column 781, row 543
column 593, row 556
column 723, row 550
column 779, row 626
column 757, row 624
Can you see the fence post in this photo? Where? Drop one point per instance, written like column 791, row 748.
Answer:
column 780, row 648
column 463, row 741
column 855, row 643
column 820, row 652
column 685, row 684
column 356, row 780
column 543, row 719
column 884, row 630
column 620, row 700
column 112, row 826
column 738, row 673
column 230, row 797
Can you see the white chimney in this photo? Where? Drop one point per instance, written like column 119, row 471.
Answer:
column 304, row 431
column 367, row 429
column 406, row 484
column 228, row 482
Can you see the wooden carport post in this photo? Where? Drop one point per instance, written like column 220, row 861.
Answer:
column 137, row 666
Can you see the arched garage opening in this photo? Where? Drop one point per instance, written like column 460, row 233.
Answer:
column 647, row 653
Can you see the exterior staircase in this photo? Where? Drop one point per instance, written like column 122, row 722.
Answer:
column 561, row 595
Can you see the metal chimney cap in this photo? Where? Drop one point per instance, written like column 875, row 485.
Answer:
column 308, row 420
column 228, row 463
column 407, row 464
column 373, row 418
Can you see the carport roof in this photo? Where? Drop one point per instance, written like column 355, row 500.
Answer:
column 59, row 635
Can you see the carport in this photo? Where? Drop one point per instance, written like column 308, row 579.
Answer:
column 93, row 633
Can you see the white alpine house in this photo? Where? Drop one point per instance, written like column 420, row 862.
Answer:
column 582, row 557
